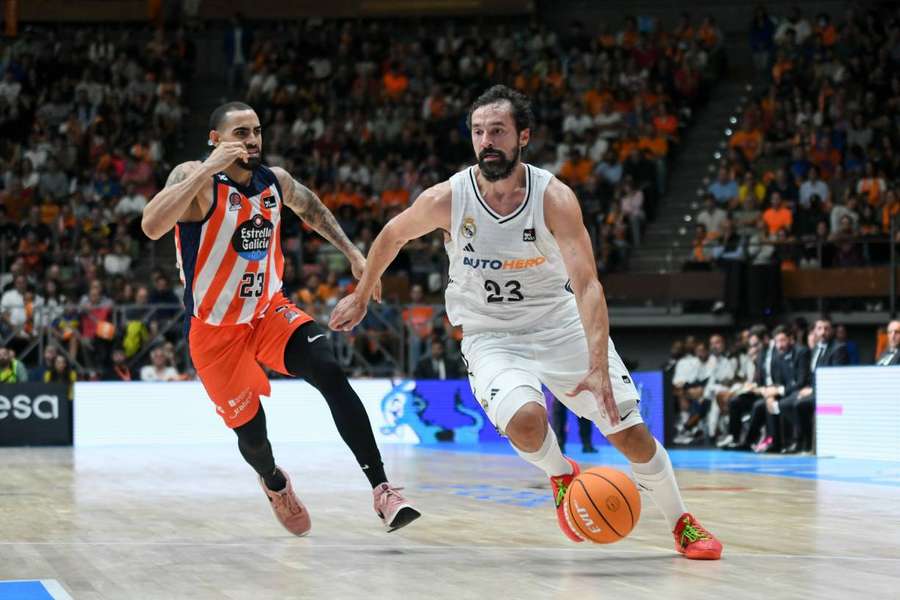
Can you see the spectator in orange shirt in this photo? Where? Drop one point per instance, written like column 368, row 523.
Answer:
column 653, row 142
column 394, row 194
column 872, row 186
column 708, row 33
column 666, row 123
column 890, row 209
column 419, row 317
column 748, row 140
column 395, row 82
column 782, row 66
column 826, row 30
column 348, row 195
column 595, row 100
column 826, row 157
column 577, row 169
column 328, row 196
column 778, row 217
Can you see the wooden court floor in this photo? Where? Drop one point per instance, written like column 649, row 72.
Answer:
column 190, row 522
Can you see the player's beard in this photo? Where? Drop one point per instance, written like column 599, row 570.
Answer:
column 251, row 163
column 501, row 167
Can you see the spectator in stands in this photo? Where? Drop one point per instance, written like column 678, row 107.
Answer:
column 159, row 368
column 436, row 365
column 799, row 408
column 11, row 369
column 14, row 314
column 724, row 189
column 62, row 373
column 632, row 206
column 119, row 369
column 162, row 295
column 712, row 216
column 46, row 364
column 891, row 354
column 778, row 217
column 813, row 186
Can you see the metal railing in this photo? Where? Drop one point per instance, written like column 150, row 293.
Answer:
column 396, row 340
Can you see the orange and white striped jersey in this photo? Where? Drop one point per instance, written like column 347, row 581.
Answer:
column 231, row 262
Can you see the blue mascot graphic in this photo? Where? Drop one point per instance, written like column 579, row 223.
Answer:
column 404, row 408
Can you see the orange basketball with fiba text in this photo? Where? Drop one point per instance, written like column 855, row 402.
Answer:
column 602, row 505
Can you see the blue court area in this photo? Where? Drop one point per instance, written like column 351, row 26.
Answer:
column 823, row 468
column 34, row 589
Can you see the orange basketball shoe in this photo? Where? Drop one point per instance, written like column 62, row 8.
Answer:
column 694, row 541
column 560, row 484
column 287, row 507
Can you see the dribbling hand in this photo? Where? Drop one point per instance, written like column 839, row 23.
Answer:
column 597, row 383
column 224, row 156
column 348, row 313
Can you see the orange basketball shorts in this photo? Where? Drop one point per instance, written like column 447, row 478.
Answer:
column 229, row 358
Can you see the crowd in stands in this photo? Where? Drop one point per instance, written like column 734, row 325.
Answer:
column 757, row 391
column 811, row 175
column 385, row 115
column 90, row 118
column 371, row 114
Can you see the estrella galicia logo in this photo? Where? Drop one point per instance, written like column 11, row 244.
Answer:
column 528, row 235
column 251, row 239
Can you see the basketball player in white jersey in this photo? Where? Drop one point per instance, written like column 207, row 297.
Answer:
column 226, row 212
column 523, row 286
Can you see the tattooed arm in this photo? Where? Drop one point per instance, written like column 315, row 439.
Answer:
column 177, row 201
column 309, row 207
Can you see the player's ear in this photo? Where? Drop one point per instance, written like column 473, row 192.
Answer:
column 213, row 138
column 524, row 137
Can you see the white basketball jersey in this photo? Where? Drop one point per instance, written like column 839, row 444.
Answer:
column 506, row 272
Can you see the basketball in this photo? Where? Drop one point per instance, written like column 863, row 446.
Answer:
column 603, row 505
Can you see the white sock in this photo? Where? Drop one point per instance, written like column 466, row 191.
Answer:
column 657, row 478
column 548, row 458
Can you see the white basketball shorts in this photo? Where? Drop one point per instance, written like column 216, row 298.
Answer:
column 556, row 357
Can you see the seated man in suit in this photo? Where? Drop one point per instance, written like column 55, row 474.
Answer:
column 891, row 355
column 799, row 409
column 436, row 365
column 790, row 373
column 751, row 399
column 793, row 374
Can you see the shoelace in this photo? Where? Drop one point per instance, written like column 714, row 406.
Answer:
column 560, row 491
column 291, row 503
column 388, row 492
column 693, row 533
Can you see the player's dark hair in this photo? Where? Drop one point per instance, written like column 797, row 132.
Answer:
column 781, row 329
column 521, row 105
column 759, row 331
column 218, row 115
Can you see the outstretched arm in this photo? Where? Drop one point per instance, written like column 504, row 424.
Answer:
column 563, row 217
column 430, row 211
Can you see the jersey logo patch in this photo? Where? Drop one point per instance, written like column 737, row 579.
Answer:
column 528, row 235
column 251, row 239
column 234, row 201
column 269, row 202
column 467, row 229
column 468, row 248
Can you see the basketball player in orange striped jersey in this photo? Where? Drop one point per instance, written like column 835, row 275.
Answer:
column 226, row 212
column 523, row 286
